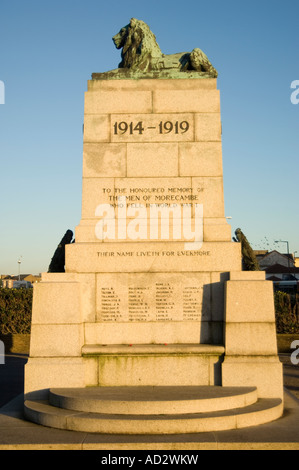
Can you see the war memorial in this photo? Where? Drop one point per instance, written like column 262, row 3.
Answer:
column 153, row 327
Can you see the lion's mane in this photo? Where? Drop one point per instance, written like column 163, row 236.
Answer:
column 138, row 45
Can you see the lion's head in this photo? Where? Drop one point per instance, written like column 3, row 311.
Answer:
column 138, row 45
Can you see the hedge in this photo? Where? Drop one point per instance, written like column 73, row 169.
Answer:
column 287, row 313
column 15, row 311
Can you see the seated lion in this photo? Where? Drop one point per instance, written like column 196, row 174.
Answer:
column 141, row 52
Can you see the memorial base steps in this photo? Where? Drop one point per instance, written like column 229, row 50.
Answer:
column 153, row 410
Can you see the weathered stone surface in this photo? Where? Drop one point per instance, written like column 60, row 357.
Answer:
column 107, row 102
column 104, row 160
column 186, row 101
column 148, row 160
column 200, row 159
column 183, row 82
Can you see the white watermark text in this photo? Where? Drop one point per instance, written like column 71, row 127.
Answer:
column 295, row 94
column 151, row 222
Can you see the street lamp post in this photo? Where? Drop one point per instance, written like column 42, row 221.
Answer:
column 295, row 276
column 19, row 263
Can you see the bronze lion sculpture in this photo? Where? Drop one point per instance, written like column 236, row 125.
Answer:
column 141, row 52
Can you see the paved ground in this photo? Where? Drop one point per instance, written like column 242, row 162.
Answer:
column 12, row 377
column 290, row 375
column 16, row 433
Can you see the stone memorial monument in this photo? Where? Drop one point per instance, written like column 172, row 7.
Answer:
column 153, row 327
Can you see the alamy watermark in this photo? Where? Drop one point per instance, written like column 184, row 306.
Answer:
column 2, row 353
column 295, row 354
column 295, row 94
column 151, row 222
column 2, row 92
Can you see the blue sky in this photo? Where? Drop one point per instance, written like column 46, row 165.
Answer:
column 48, row 51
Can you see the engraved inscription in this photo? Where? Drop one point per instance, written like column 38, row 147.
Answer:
column 191, row 302
column 159, row 195
column 138, row 303
column 166, row 127
column 110, row 304
column 152, row 127
column 164, row 301
column 160, row 298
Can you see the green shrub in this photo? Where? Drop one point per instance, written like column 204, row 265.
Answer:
column 15, row 310
column 285, row 312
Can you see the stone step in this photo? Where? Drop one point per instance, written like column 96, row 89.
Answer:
column 152, row 400
column 260, row 412
column 145, row 349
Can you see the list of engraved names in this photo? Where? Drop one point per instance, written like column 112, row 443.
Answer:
column 159, row 297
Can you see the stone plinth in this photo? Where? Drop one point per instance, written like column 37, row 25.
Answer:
column 250, row 335
column 142, row 302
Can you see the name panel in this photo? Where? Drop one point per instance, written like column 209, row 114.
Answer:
column 153, row 297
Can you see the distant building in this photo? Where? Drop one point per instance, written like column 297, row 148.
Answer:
column 24, row 281
column 31, row 278
column 15, row 284
column 280, row 269
column 271, row 258
column 283, row 273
